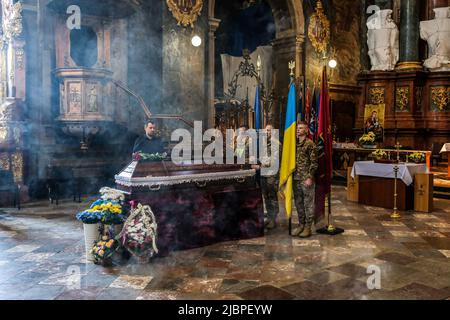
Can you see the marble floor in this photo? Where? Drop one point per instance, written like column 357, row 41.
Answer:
column 42, row 257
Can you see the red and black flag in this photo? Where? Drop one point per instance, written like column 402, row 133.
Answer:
column 325, row 148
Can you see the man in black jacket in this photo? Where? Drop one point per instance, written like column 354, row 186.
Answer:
column 149, row 143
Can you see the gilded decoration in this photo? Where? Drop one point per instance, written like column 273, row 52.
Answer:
column 440, row 99
column 6, row 112
column 12, row 19
column 17, row 164
column 4, row 161
column 185, row 12
column 376, row 95
column 319, row 29
column 3, row 134
column 402, row 99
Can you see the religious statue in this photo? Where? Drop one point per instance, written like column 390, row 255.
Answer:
column 383, row 41
column 92, row 100
column 437, row 33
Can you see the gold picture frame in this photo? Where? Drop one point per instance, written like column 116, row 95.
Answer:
column 185, row 12
column 319, row 29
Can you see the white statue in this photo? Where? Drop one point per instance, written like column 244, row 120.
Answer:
column 437, row 33
column 382, row 40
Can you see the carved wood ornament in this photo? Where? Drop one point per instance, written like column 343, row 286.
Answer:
column 185, row 11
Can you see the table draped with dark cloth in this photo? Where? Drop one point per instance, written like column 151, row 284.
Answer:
column 196, row 205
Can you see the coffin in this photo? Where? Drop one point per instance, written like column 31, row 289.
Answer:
column 196, row 205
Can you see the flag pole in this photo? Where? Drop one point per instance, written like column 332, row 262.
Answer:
column 329, row 229
column 291, row 76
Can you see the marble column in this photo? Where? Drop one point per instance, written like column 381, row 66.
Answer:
column 409, row 35
column 432, row 4
column 384, row 4
column 299, row 40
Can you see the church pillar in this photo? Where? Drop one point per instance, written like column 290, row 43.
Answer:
column 409, row 35
column 12, row 96
column 384, row 4
column 299, row 40
column 213, row 25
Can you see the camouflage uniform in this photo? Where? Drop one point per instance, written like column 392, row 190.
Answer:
column 306, row 168
column 269, row 184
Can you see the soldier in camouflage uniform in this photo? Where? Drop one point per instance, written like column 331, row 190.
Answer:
column 269, row 181
column 304, row 184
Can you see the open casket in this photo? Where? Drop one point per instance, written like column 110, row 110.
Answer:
column 196, row 205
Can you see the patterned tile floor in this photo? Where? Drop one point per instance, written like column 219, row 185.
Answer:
column 42, row 257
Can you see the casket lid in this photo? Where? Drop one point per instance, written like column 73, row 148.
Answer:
column 141, row 173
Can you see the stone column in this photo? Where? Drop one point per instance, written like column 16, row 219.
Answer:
column 409, row 35
column 213, row 25
column 384, row 4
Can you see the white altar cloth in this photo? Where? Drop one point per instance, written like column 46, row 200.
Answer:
column 406, row 171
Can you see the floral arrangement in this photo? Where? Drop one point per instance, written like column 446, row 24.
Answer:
column 367, row 139
column 101, row 210
column 139, row 233
column 138, row 156
column 112, row 194
column 417, row 157
column 379, row 154
column 89, row 217
column 104, row 249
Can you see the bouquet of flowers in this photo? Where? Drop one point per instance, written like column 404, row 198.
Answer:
column 417, row 157
column 111, row 211
column 106, row 211
column 89, row 216
column 367, row 139
column 104, row 249
column 138, row 156
column 379, row 154
column 139, row 233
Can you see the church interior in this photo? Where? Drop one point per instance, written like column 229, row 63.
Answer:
column 86, row 215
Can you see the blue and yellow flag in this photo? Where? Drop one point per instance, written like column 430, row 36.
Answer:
column 289, row 149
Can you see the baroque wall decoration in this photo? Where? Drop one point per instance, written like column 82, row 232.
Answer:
column 12, row 19
column 17, row 164
column 19, row 58
column 4, row 161
column 440, row 99
column 402, row 99
column 3, row 134
column 185, row 12
column 376, row 95
column 319, row 29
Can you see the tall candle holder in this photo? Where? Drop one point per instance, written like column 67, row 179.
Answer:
column 395, row 214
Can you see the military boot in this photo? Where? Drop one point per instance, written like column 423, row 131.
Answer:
column 271, row 225
column 297, row 230
column 305, row 233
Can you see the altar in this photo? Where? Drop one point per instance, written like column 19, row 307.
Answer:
column 375, row 184
column 196, row 205
column 446, row 149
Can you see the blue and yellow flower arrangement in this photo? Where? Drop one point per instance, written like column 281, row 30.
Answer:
column 105, row 211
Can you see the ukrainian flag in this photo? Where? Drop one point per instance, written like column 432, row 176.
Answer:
column 289, row 150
